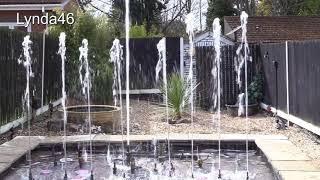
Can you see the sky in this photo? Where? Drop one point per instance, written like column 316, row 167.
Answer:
column 196, row 7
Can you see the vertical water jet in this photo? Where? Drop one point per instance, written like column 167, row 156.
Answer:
column 190, row 32
column 127, row 27
column 216, row 74
column 86, row 86
column 116, row 57
column 27, row 63
column 62, row 52
column 162, row 65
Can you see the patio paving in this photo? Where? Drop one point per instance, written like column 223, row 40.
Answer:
column 3, row 167
column 305, row 166
column 13, row 150
column 300, row 175
column 288, row 161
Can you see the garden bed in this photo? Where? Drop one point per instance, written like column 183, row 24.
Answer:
column 149, row 118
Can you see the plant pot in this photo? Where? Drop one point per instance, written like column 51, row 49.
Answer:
column 233, row 109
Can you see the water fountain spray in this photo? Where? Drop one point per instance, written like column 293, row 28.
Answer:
column 27, row 63
column 244, row 44
column 62, row 52
column 162, row 65
column 216, row 74
column 86, row 86
column 116, row 57
column 108, row 155
column 189, row 30
column 127, row 26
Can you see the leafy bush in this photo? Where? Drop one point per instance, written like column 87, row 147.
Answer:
column 101, row 83
column 100, row 34
column 179, row 93
column 255, row 89
column 138, row 31
column 141, row 32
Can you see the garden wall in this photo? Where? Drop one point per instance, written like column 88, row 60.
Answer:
column 13, row 75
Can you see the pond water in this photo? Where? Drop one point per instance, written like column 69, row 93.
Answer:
column 233, row 164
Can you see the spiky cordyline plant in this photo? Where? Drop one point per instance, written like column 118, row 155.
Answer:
column 179, row 93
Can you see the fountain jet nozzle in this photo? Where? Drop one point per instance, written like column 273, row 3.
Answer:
column 219, row 175
column 114, row 168
column 247, row 175
column 55, row 163
column 172, row 167
column 155, row 168
column 30, row 175
column 80, row 159
column 65, row 175
column 132, row 165
column 128, row 159
column 91, row 177
column 53, row 152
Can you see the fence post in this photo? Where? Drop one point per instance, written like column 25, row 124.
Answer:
column 181, row 57
column 287, row 80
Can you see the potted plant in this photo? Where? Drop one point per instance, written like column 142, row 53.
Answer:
column 255, row 95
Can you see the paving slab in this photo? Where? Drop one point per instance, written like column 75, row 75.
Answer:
column 299, row 175
column 51, row 140
column 281, row 150
column 9, row 159
column 13, row 150
column 4, row 167
column 7, row 150
column 288, row 160
column 22, row 142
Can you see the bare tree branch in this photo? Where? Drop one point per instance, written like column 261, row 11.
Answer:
column 173, row 19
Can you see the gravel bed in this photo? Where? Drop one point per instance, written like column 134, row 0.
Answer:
column 149, row 118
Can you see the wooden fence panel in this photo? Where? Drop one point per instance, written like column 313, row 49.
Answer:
column 144, row 58
column 276, row 52
column 304, row 81
column 229, row 88
column 303, row 78
column 52, row 61
column 13, row 75
column 10, row 76
column 204, row 64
